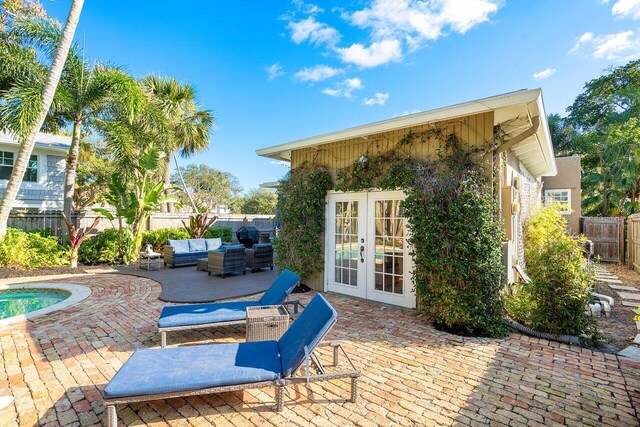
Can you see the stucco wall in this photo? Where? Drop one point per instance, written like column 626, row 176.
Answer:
column 568, row 177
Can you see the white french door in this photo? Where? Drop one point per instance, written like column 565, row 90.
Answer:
column 367, row 255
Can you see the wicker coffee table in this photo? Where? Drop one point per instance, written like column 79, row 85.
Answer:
column 266, row 323
column 202, row 264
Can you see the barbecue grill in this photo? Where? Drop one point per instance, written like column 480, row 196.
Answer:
column 248, row 236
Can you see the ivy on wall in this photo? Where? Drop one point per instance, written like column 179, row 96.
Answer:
column 300, row 212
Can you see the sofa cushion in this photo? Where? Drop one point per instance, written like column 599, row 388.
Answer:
column 213, row 244
column 179, row 246
column 225, row 248
column 172, row 370
column 200, row 314
column 190, row 254
column 197, row 245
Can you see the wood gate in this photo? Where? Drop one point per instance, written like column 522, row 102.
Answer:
column 607, row 235
column 633, row 241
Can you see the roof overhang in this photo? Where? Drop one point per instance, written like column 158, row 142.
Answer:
column 44, row 141
column 511, row 110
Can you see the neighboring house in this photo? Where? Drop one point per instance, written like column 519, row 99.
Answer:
column 515, row 122
column 43, row 184
column 565, row 189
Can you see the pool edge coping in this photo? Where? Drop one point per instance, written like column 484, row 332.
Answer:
column 78, row 294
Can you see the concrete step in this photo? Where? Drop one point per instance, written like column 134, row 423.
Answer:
column 614, row 281
column 632, row 352
column 629, row 296
column 637, row 339
column 623, row 288
column 630, row 303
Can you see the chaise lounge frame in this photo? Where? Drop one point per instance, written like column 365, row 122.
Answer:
column 163, row 331
column 279, row 384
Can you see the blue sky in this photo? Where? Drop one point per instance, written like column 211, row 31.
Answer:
column 276, row 71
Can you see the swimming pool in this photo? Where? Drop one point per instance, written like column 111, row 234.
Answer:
column 20, row 302
column 16, row 302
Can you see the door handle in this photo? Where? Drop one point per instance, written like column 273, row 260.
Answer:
column 361, row 253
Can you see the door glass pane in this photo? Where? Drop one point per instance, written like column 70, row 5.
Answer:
column 346, row 238
column 389, row 239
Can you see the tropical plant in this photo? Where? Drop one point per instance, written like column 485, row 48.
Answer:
column 260, row 202
column 134, row 203
column 95, row 168
column 561, row 280
column 106, row 247
column 198, row 224
column 188, row 125
column 28, row 123
column 77, row 236
column 21, row 249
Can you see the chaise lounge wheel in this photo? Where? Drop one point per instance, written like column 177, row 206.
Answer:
column 271, row 267
column 244, row 272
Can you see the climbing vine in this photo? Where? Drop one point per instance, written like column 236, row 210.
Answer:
column 300, row 214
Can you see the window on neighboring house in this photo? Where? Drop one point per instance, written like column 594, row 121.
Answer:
column 560, row 198
column 7, row 160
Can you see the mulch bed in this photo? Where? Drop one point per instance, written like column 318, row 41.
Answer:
column 7, row 273
column 619, row 329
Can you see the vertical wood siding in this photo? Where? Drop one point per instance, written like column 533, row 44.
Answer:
column 476, row 130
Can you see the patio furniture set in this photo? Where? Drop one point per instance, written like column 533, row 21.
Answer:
column 213, row 256
column 271, row 356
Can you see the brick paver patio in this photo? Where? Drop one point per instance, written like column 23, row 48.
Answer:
column 56, row 366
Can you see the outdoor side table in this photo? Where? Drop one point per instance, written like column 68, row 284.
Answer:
column 266, row 323
column 202, row 264
column 149, row 261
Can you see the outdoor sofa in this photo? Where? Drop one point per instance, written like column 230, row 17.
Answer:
column 187, row 251
column 152, row 374
column 227, row 259
column 192, row 316
column 260, row 256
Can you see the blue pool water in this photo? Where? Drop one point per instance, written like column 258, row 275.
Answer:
column 14, row 302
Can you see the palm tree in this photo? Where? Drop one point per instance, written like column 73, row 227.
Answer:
column 188, row 125
column 85, row 92
column 31, row 123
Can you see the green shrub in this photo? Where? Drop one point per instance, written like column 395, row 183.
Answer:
column 35, row 249
column 300, row 207
column 106, row 247
column 222, row 232
column 561, row 280
column 158, row 238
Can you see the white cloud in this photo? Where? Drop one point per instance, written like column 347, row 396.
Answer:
column 377, row 53
column 378, row 98
column 622, row 46
column 315, row 32
column 344, row 88
column 416, row 20
column 317, row 73
column 274, row 70
column 544, row 74
column 626, row 9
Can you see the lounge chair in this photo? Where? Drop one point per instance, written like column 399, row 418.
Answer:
column 192, row 316
column 152, row 374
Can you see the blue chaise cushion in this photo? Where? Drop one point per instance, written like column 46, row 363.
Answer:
column 307, row 330
column 179, row 246
column 197, row 245
column 169, row 370
column 200, row 314
column 280, row 289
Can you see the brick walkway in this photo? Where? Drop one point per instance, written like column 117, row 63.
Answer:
column 57, row 365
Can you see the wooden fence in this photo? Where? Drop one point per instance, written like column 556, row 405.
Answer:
column 633, row 241
column 607, row 235
column 52, row 220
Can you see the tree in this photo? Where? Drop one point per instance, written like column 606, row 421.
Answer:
column 210, row 187
column 188, row 125
column 563, row 135
column 605, row 119
column 29, row 127
column 94, row 172
column 260, row 202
